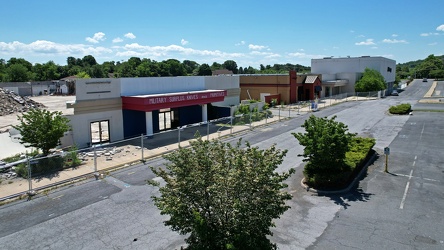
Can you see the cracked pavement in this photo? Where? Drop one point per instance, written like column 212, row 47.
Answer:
column 117, row 212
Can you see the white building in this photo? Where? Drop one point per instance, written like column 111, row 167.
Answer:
column 339, row 75
column 112, row 109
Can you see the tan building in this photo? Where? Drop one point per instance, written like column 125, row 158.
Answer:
column 285, row 88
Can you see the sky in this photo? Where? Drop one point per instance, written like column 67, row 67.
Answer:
column 249, row 32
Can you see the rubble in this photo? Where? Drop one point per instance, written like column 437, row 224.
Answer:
column 11, row 103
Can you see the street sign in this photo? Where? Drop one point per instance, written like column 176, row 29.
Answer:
column 387, row 151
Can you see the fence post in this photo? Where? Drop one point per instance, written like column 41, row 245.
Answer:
column 208, row 130
column 231, row 125
column 30, row 191
column 141, row 144
column 289, row 114
column 250, row 119
column 96, row 174
column 279, row 113
column 178, row 129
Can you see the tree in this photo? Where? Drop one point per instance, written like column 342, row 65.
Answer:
column 216, row 66
column 17, row 73
column 96, row 71
column 222, row 196
column 175, row 67
column 83, row 74
column 431, row 65
column 71, row 61
column 326, row 143
column 190, row 66
column 88, row 60
column 371, row 80
column 204, row 70
column 230, row 65
column 42, row 129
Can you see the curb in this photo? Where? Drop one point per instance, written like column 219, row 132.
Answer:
column 345, row 190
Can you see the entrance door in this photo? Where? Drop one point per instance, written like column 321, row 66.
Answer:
column 166, row 118
column 99, row 132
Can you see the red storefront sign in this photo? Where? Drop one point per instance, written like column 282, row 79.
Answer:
column 155, row 102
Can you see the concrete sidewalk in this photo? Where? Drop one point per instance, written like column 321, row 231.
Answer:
column 127, row 153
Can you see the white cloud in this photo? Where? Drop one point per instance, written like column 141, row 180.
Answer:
column 366, row 42
column 374, row 47
column 240, row 43
column 183, row 42
column 117, row 40
column 394, row 41
column 99, row 36
column 433, row 44
column 394, row 35
column 136, row 49
column 130, row 35
column 265, row 54
column 440, row 27
column 304, row 55
column 430, row 34
column 40, row 47
column 257, row 47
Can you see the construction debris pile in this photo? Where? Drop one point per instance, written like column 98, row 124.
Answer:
column 11, row 103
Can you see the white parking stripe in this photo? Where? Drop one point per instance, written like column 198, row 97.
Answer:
column 405, row 191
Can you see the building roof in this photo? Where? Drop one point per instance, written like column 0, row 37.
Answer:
column 222, row 72
column 311, row 79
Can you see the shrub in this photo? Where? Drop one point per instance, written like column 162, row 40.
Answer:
column 273, row 102
column 400, row 109
column 71, row 159
column 355, row 158
column 359, row 149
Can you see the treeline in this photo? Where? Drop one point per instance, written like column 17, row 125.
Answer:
column 20, row 70
column 431, row 67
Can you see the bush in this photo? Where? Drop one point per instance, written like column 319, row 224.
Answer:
column 355, row 159
column 359, row 149
column 71, row 159
column 400, row 109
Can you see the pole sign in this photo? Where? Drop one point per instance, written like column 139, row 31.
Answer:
column 387, row 151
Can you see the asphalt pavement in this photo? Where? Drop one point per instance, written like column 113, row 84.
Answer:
column 401, row 209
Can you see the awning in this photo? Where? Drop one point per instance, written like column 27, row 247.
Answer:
column 172, row 100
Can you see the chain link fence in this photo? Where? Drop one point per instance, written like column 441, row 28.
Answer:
column 34, row 172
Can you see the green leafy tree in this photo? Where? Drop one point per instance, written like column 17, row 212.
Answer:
column 205, row 70
column 326, row 143
column 18, row 73
column 175, row 67
column 71, row 61
column 42, row 129
column 371, row 80
column 431, row 65
column 83, row 74
column 2, row 70
column 88, row 61
column 230, row 65
column 223, row 196
column 216, row 66
column 190, row 66
column 96, row 71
